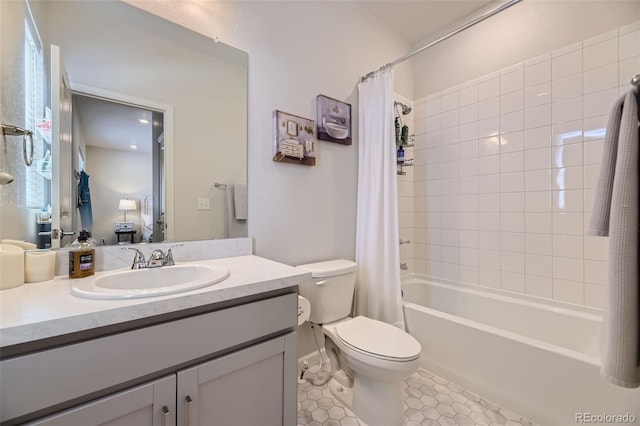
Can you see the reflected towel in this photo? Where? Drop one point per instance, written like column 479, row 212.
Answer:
column 236, row 228
column 240, row 201
column 615, row 213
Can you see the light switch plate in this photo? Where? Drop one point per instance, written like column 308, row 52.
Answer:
column 204, row 203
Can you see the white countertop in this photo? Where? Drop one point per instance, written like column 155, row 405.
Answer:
column 47, row 309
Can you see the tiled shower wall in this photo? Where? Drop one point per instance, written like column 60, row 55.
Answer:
column 506, row 167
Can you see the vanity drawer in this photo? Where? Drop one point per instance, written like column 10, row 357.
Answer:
column 85, row 370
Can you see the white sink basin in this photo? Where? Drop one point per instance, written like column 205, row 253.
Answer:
column 148, row 282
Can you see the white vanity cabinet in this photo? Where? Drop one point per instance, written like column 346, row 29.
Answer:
column 231, row 366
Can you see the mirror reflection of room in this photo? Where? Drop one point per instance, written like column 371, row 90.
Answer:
column 122, row 146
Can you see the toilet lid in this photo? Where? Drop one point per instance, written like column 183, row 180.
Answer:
column 380, row 339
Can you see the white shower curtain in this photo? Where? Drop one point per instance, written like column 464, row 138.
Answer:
column 377, row 236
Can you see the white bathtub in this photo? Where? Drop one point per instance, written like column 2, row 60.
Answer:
column 537, row 358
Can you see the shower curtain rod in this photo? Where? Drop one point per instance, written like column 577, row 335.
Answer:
column 444, row 37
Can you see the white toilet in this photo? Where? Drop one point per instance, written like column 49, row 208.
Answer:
column 369, row 358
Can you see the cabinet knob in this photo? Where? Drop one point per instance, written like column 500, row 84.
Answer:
column 189, row 404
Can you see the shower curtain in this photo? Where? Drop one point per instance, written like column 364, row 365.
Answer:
column 377, row 236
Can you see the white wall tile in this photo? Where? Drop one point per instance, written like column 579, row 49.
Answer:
column 511, row 162
column 537, row 116
column 538, row 180
column 512, row 281
column 512, row 81
column 537, row 95
column 568, row 224
column 489, row 127
column 566, row 87
column 469, row 274
column 503, row 183
column 595, row 272
column 538, row 223
column 511, row 102
column 512, row 122
column 489, row 89
column 512, row 262
column 539, row 265
column 567, row 156
column 468, row 149
column 539, row 286
column 488, row 108
column 512, row 241
column 567, row 133
column 537, row 73
column 488, row 240
column 568, row 64
column 568, row 269
column 450, row 101
column 538, row 244
column 600, row 54
column 537, row 159
column 468, row 131
column 568, row 246
column 595, row 296
column 538, row 201
column 489, row 277
column 468, row 95
column 566, row 110
column 629, row 44
column 599, row 103
column 568, row 291
column 489, row 165
column 597, row 79
column 537, row 138
column 511, row 182
column 593, row 152
column 568, row 178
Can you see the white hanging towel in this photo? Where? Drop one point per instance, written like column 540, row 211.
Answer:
column 236, row 228
column 615, row 213
column 240, row 201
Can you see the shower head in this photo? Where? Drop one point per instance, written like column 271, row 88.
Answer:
column 405, row 108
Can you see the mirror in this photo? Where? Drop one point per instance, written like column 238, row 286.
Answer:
column 193, row 89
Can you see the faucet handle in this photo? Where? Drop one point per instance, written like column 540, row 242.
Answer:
column 168, row 259
column 139, row 262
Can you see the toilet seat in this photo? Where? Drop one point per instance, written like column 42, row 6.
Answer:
column 378, row 340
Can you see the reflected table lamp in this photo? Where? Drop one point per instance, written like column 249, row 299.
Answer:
column 125, row 205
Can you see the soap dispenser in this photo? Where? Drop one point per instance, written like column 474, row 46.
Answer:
column 82, row 256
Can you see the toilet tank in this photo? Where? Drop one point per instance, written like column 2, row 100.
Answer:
column 330, row 290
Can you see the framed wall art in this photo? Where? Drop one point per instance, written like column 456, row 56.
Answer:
column 295, row 139
column 334, row 120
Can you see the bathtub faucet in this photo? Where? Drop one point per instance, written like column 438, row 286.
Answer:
column 403, row 266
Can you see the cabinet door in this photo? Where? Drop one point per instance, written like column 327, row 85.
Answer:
column 251, row 387
column 150, row 404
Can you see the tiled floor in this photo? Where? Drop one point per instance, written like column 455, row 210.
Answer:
column 429, row 400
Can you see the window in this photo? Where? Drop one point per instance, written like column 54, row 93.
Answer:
column 36, row 182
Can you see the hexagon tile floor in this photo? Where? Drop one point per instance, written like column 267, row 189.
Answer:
column 429, row 400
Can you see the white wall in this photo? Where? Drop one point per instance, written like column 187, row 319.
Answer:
column 524, row 31
column 298, row 50
column 507, row 169
column 116, row 174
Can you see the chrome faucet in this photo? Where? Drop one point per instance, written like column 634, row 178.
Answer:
column 158, row 258
column 403, row 266
column 139, row 261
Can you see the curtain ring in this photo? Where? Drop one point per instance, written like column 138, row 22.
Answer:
column 27, row 160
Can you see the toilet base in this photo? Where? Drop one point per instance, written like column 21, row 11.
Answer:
column 378, row 403
column 343, row 394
